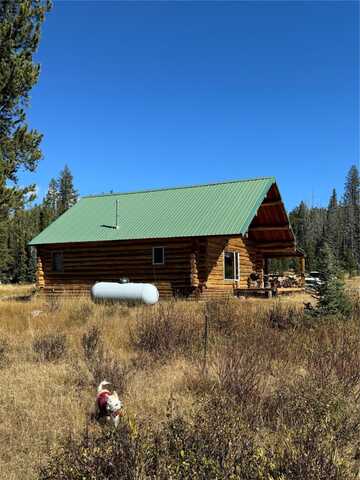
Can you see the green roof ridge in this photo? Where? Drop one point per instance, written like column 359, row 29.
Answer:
column 222, row 208
column 180, row 187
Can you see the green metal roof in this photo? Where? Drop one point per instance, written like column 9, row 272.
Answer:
column 215, row 209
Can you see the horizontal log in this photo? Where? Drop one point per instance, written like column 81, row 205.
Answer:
column 263, row 245
column 275, row 203
column 265, row 228
column 116, row 264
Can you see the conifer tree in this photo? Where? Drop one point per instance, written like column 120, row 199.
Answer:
column 49, row 208
column 67, row 194
column 332, row 299
column 20, row 23
column 299, row 223
column 308, row 225
column 52, row 197
column 333, row 221
column 351, row 216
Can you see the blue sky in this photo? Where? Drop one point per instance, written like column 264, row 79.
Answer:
column 137, row 95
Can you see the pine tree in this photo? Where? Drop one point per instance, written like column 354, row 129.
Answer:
column 351, row 217
column 333, row 299
column 332, row 232
column 21, row 264
column 308, row 225
column 299, row 223
column 25, row 223
column 20, row 23
column 49, row 208
column 67, row 194
column 52, row 197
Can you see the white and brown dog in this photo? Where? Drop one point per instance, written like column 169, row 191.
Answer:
column 108, row 404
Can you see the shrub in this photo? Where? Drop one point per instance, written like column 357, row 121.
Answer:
column 4, row 350
column 355, row 301
column 310, row 434
column 109, row 368
column 167, row 329
column 282, row 317
column 102, row 364
column 92, row 343
column 80, row 314
column 51, row 347
column 336, row 358
column 106, row 455
column 238, row 372
column 53, row 303
column 317, row 428
column 222, row 314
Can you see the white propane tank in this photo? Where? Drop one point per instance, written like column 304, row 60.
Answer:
column 143, row 292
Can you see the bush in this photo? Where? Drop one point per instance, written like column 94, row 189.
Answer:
column 355, row 304
column 337, row 358
column 317, row 427
column 109, row 368
column 54, row 303
column 238, row 372
column 222, row 314
column 92, row 343
column 4, row 350
column 106, row 455
column 308, row 437
column 51, row 347
column 80, row 314
column 167, row 329
column 102, row 364
column 285, row 316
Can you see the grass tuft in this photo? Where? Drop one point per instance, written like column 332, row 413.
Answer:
column 51, row 347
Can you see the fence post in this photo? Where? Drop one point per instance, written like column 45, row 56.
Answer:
column 206, row 334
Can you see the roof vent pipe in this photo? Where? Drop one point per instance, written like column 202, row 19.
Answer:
column 117, row 214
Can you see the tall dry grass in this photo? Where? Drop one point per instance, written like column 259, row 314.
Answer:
column 8, row 290
column 265, row 394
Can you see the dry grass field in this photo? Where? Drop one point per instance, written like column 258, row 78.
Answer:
column 353, row 283
column 8, row 290
column 269, row 396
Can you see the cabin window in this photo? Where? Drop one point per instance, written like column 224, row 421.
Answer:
column 158, row 256
column 57, row 262
column 231, row 265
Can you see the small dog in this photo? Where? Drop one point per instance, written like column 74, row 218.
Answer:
column 108, row 405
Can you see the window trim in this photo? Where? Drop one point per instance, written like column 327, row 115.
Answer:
column 163, row 256
column 57, row 252
column 236, row 255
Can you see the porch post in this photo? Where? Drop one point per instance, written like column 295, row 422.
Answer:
column 266, row 272
column 194, row 274
column 302, row 271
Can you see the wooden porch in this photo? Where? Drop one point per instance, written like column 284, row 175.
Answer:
column 267, row 292
column 267, row 288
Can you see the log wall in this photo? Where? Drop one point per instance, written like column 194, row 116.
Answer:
column 87, row 263
column 250, row 260
column 193, row 266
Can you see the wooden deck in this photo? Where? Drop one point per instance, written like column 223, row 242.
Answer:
column 267, row 292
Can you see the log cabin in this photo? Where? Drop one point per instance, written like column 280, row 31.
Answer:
column 198, row 242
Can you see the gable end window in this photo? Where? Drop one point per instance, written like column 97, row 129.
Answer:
column 158, row 256
column 231, row 265
column 57, row 262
